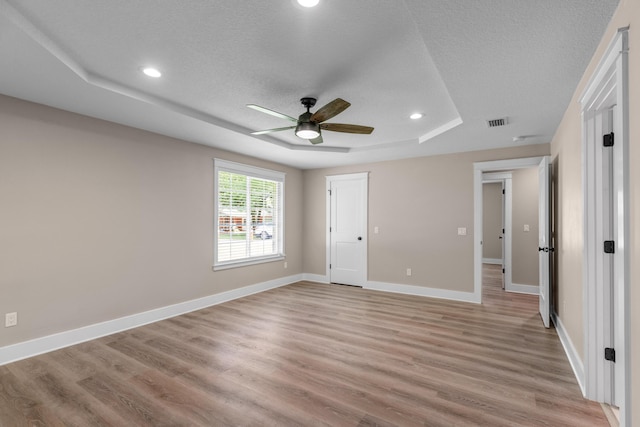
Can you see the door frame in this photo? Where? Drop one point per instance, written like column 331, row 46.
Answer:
column 364, row 176
column 607, row 87
column 479, row 168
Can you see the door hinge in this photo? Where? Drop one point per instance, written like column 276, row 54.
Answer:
column 503, row 191
column 503, row 271
column 329, row 266
column 329, row 192
column 609, row 246
column 607, row 140
column 609, row 354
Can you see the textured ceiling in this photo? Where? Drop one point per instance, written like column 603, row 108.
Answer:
column 460, row 62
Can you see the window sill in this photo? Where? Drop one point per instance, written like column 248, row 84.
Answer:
column 246, row 262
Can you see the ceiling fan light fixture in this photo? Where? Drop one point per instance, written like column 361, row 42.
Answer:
column 416, row 116
column 307, row 130
column 308, row 3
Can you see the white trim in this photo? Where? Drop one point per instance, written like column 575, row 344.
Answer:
column 23, row 350
column 478, row 169
column 570, row 350
column 440, row 130
column 523, row 289
column 422, row 291
column 492, row 261
column 607, row 87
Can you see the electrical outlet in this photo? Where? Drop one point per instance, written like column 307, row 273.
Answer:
column 408, row 272
column 285, row 264
column 462, row 231
column 376, row 230
column 526, row 227
column 10, row 319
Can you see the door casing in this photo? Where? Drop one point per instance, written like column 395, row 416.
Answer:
column 607, row 89
column 479, row 169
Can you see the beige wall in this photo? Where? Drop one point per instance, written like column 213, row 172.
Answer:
column 418, row 205
column 524, row 244
column 492, row 220
column 566, row 153
column 100, row 221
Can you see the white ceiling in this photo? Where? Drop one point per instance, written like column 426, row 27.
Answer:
column 460, row 62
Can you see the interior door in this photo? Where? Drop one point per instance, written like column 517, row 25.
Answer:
column 544, row 241
column 502, row 236
column 347, row 229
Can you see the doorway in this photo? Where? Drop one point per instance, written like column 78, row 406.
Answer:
column 497, row 240
column 605, row 145
column 480, row 169
column 347, row 204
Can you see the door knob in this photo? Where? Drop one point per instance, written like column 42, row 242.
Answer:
column 359, row 238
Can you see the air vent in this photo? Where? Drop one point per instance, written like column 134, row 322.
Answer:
column 497, row 122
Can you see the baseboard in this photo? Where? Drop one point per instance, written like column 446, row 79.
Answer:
column 23, row 350
column 320, row 278
column 423, row 291
column 523, row 289
column 492, row 261
column 572, row 354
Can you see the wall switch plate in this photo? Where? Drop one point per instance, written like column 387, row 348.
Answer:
column 285, row 264
column 10, row 319
column 526, row 227
column 376, row 230
column 462, row 231
column 408, row 272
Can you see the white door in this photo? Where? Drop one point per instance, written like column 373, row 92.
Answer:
column 348, row 229
column 502, row 231
column 544, row 244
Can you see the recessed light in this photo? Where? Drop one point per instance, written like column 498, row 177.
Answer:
column 308, row 3
column 416, row 116
column 151, row 72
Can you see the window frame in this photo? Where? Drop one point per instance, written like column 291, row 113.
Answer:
column 220, row 165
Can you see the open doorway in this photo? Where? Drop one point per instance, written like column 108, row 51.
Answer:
column 514, row 165
column 510, row 227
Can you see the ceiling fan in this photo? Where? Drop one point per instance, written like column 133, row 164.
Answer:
column 309, row 125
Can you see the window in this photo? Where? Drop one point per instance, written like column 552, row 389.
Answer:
column 249, row 215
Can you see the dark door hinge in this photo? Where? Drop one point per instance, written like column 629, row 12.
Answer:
column 607, row 140
column 609, row 246
column 610, row 354
column 503, row 271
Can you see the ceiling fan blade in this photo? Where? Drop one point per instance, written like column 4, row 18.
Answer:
column 317, row 140
column 338, row 127
column 262, row 132
column 332, row 109
column 271, row 112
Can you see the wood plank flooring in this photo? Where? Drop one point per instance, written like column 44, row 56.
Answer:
column 311, row 354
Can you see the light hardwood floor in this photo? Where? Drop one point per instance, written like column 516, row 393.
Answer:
column 312, row 354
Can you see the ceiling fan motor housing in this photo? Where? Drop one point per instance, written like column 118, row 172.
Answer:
column 308, row 102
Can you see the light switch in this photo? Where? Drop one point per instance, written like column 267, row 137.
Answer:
column 526, row 227
column 462, row 231
column 375, row 230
